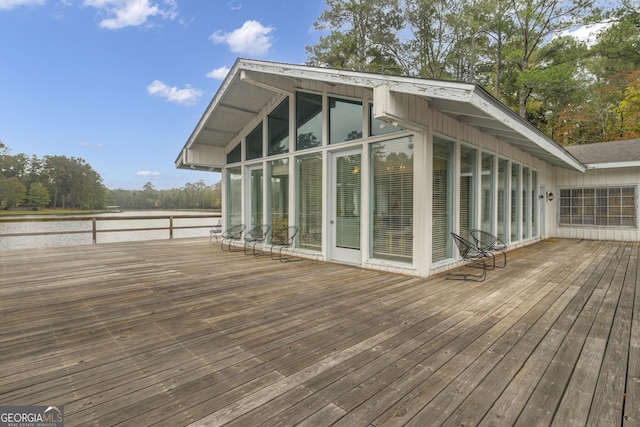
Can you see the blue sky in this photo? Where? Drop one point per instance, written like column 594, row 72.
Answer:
column 123, row 83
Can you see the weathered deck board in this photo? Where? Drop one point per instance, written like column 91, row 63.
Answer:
column 178, row 332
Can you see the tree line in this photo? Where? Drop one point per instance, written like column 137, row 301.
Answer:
column 520, row 51
column 71, row 183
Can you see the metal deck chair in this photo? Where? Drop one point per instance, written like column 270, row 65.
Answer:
column 490, row 243
column 475, row 258
column 232, row 233
column 283, row 238
column 216, row 230
column 256, row 235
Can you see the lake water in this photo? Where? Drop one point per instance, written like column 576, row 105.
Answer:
column 85, row 226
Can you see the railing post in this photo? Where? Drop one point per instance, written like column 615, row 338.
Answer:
column 170, row 227
column 95, row 230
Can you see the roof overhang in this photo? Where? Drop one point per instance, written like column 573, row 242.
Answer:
column 251, row 85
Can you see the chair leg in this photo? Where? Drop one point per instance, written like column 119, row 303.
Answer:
column 504, row 264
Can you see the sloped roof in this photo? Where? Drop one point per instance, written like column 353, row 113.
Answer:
column 251, row 85
column 608, row 154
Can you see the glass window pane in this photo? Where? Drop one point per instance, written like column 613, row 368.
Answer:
column 467, row 191
column 345, row 120
column 257, row 184
column 309, row 200
column 487, row 192
column 534, row 203
column 503, row 198
column 278, row 125
column 526, row 219
column 602, row 206
column 235, row 155
column 392, row 199
column 348, row 197
column 308, row 120
column 515, row 202
column 254, row 143
column 234, row 197
column 279, row 193
column 442, row 186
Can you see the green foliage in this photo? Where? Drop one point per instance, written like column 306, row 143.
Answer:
column 518, row 51
column 38, row 195
column 192, row 196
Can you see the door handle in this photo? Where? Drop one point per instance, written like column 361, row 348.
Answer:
column 331, row 222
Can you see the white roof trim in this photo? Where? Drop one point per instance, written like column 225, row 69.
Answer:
column 613, row 165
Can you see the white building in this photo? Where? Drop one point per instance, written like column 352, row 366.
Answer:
column 378, row 170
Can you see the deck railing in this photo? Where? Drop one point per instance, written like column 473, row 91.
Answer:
column 95, row 230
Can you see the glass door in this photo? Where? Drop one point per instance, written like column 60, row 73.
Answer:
column 344, row 219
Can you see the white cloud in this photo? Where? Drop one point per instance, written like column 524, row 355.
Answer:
column 587, row 33
column 10, row 4
column 131, row 13
column 252, row 38
column 218, row 73
column 148, row 174
column 186, row 96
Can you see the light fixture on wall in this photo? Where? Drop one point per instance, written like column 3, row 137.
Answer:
column 550, row 196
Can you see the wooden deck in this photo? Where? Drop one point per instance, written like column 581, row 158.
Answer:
column 178, row 332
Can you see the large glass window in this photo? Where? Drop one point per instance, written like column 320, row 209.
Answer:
column 345, row 120
column 257, row 184
column 534, row 203
column 279, row 193
column 526, row 212
column 234, row 197
column 309, row 201
column 278, row 127
column 487, row 192
column 503, row 198
column 442, row 211
column 235, row 155
column 515, row 202
column 392, row 199
column 308, row 120
column 467, row 191
column 602, row 206
column 254, row 143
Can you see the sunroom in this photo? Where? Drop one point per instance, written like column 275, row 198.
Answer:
column 374, row 170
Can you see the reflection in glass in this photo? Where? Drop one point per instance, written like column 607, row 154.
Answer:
column 308, row 120
column 345, row 120
column 278, row 127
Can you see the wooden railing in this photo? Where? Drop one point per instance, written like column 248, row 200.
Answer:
column 95, row 219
